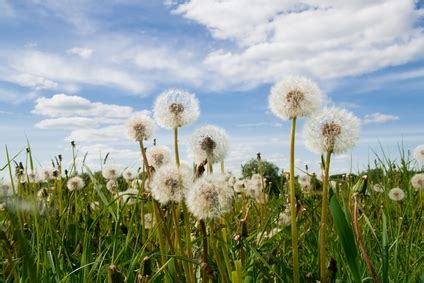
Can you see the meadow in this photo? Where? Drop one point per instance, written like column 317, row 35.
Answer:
column 167, row 221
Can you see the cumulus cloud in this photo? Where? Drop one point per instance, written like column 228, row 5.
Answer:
column 324, row 39
column 379, row 118
column 82, row 52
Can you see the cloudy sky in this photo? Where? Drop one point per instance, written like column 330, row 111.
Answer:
column 77, row 69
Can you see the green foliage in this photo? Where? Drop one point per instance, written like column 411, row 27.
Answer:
column 268, row 169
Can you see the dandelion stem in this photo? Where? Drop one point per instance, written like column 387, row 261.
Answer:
column 177, row 154
column 205, row 260
column 296, row 277
column 324, row 216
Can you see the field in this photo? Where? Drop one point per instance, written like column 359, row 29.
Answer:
column 173, row 222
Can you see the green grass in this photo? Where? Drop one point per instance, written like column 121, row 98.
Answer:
column 63, row 239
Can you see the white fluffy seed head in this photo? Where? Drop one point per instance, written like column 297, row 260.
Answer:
column 419, row 153
column 378, row 188
column 112, row 186
column 111, row 172
column 176, row 108
column 208, row 142
column 170, row 183
column 140, row 127
column 129, row 196
column 5, row 189
column 49, row 173
column 305, row 183
column 210, row 197
column 129, row 174
column 332, row 130
column 417, row 181
column 158, row 155
column 396, row 194
column 75, row 183
column 294, row 97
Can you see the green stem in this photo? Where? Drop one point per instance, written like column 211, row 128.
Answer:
column 324, row 216
column 217, row 256
column 222, row 167
column 205, row 259
column 293, row 212
column 177, row 154
column 188, row 240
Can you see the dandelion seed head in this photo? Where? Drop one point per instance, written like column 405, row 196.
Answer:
column 112, row 186
column 332, row 130
column 148, row 221
column 419, row 153
column 129, row 196
column 396, row 194
column 170, row 183
column 176, row 108
column 378, row 188
column 129, row 174
column 158, row 155
column 417, row 181
column 140, row 127
column 210, row 197
column 5, row 189
column 75, row 183
column 294, row 97
column 111, row 172
column 305, row 183
column 239, row 186
column 208, row 142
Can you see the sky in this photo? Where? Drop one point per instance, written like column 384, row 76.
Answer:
column 76, row 70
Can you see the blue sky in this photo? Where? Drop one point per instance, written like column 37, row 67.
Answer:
column 76, row 70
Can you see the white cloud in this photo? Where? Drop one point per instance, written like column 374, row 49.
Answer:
column 16, row 97
column 324, row 39
column 35, row 82
column 62, row 105
column 105, row 134
column 379, row 118
column 82, row 52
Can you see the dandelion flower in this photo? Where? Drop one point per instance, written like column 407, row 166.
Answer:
column 210, row 197
column 112, row 186
column 158, row 155
column 176, row 108
column 75, row 183
column 140, row 127
column 239, row 186
column 396, row 194
column 378, row 188
column 111, row 172
column 169, row 183
column 49, row 173
column 417, row 181
column 129, row 174
column 294, row 97
column 332, row 130
column 305, row 183
column 208, row 142
column 253, row 186
column 419, row 153
column 5, row 189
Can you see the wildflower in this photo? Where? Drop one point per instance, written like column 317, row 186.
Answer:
column 208, row 142
column 332, row 130
column 210, row 197
column 75, row 183
column 254, row 188
column 175, row 108
column 419, row 153
column 378, row 188
column 49, row 173
column 140, row 127
column 111, row 172
column 129, row 174
column 417, row 181
column 158, row 155
column 239, row 186
column 294, row 97
column 129, row 196
column 112, row 186
column 396, row 194
column 169, row 183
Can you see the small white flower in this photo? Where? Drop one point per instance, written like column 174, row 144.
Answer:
column 396, row 194
column 294, row 97
column 176, row 108
column 378, row 188
column 129, row 174
column 210, row 197
column 112, row 186
column 158, row 155
column 170, row 183
column 140, row 127
column 208, row 142
column 332, row 130
column 75, row 183
column 417, row 181
column 129, row 196
column 419, row 153
column 111, row 172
